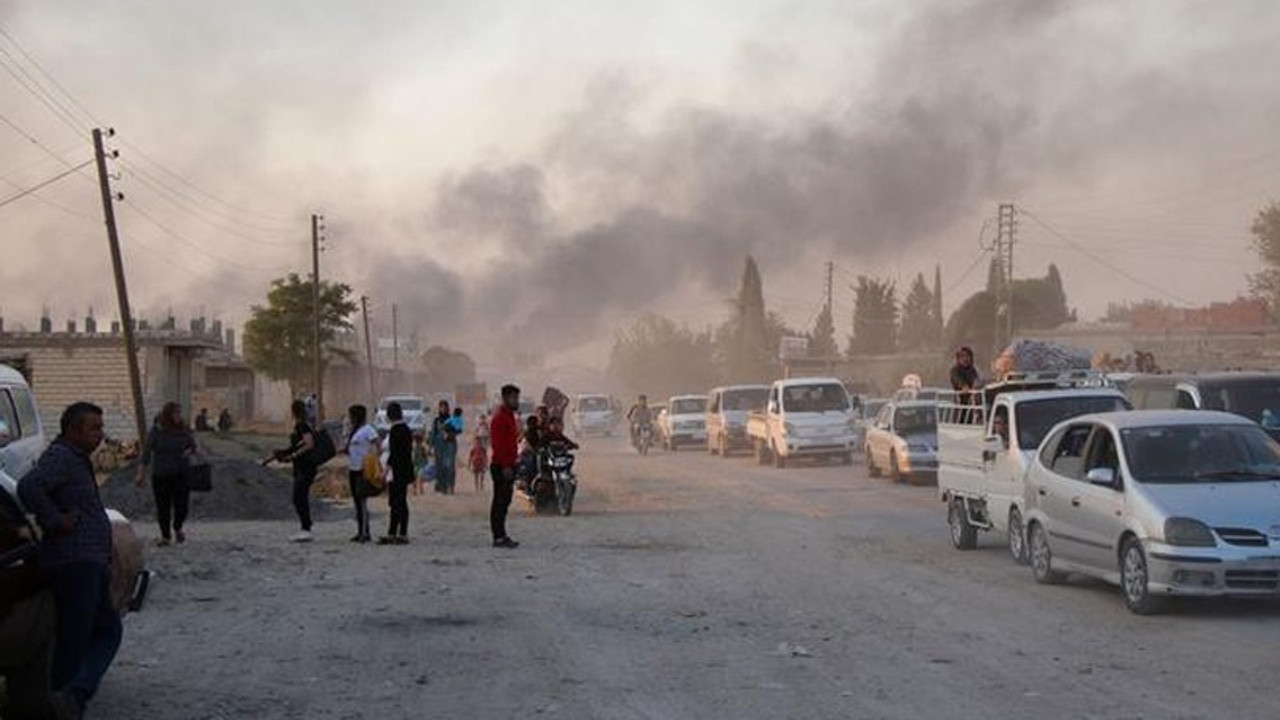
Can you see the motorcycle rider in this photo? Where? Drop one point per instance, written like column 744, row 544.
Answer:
column 555, row 434
column 640, row 415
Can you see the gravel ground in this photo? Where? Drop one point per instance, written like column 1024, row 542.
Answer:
column 684, row 586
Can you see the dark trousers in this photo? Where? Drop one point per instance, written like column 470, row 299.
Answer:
column 303, row 479
column 503, row 488
column 173, row 500
column 355, row 481
column 398, row 499
column 26, row 649
column 89, row 628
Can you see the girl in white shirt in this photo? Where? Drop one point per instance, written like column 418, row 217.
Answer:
column 362, row 442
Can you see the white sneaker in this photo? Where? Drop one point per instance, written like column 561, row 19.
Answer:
column 301, row 537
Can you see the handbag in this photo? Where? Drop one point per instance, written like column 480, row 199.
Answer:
column 197, row 474
column 372, row 477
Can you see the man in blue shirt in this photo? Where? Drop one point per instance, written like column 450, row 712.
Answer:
column 75, row 557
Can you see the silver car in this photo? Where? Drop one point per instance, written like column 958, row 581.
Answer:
column 902, row 442
column 1163, row 503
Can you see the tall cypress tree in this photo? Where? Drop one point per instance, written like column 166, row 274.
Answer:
column 752, row 359
column 939, row 322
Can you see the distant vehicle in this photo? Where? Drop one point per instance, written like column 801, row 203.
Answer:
column 864, row 414
column 593, row 415
column 683, row 421
column 1255, row 395
column 726, row 418
column 985, row 450
column 902, row 442
column 803, row 417
column 1162, row 503
column 415, row 410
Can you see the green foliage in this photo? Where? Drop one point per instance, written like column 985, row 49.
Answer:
column 973, row 324
column 822, row 340
column 939, row 320
column 753, row 348
column 918, row 326
column 447, row 369
column 278, row 338
column 1265, row 283
column 1038, row 304
column 655, row 356
column 875, row 317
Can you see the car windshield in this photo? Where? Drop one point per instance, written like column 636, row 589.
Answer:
column 871, row 408
column 1258, row 400
column 745, row 400
column 915, row 420
column 1201, row 453
column 1037, row 417
column 406, row 404
column 593, row 404
column 688, row 406
column 815, row 398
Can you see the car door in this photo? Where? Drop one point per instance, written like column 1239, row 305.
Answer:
column 1098, row 511
column 12, row 460
column 1003, row 471
column 1056, row 488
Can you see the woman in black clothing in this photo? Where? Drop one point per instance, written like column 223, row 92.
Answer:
column 400, row 460
column 168, row 446
column 301, row 443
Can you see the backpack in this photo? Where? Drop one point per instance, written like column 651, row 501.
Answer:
column 324, row 449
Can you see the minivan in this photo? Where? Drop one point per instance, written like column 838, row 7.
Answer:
column 1255, row 395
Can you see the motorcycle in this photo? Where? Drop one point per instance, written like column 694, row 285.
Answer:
column 644, row 438
column 553, row 485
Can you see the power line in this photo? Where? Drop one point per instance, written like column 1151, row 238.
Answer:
column 39, row 92
column 196, row 246
column 52, row 80
column 50, row 181
column 1101, row 261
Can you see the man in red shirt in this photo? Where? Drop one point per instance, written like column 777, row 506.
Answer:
column 504, row 435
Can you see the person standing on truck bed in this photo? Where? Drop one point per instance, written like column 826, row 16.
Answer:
column 75, row 558
column 964, row 377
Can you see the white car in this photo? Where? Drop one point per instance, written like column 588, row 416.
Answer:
column 902, row 442
column 683, row 421
column 1163, row 503
column 415, row 413
column 593, row 415
column 727, row 412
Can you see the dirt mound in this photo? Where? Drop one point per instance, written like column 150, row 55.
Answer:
column 242, row 490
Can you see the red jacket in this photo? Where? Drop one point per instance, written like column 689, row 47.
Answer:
column 504, row 434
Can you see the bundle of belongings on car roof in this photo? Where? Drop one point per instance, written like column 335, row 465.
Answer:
column 1025, row 356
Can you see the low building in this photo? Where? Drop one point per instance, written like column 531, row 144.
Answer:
column 64, row 367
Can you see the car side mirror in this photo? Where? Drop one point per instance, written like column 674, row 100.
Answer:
column 6, row 433
column 1102, row 476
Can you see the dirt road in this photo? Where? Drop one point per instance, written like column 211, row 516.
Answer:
column 684, row 586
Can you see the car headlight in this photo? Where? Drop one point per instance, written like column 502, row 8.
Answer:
column 1188, row 532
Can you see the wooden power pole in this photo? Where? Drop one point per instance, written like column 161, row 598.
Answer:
column 318, row 372
column 122, row 290
column 368, row 348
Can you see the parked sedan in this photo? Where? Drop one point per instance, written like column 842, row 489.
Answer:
column 1162, row 503
column 903, row 442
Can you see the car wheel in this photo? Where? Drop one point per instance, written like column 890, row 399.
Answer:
column 894, row 471
column 724, row 446
column 1017, row 537
column 1042, row 556
column 762, row 455
column 847, row 458
column 964, row 536
column 872, row 470
column 778, row 460
column 1135, row 580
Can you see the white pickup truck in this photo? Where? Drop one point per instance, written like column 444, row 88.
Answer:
column 985, row 447
column 804, row 417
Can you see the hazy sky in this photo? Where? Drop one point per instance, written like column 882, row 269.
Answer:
column 553, row 169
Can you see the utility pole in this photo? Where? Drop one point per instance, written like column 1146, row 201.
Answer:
column 395, row 338
column 318, row 371
column 368, row 347
column 1006, row 235
column 122, row 291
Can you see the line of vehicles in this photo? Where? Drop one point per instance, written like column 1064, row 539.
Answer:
column 1165, row 485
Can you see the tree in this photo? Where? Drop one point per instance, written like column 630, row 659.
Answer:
column 1265, row 283
column 972, row 324
column 939, row 320
column 447, row 369
column 657, row 357
column 279, row 336
column 822, row 340
column 875, row 317
column 753, row 350
column 918, row 330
